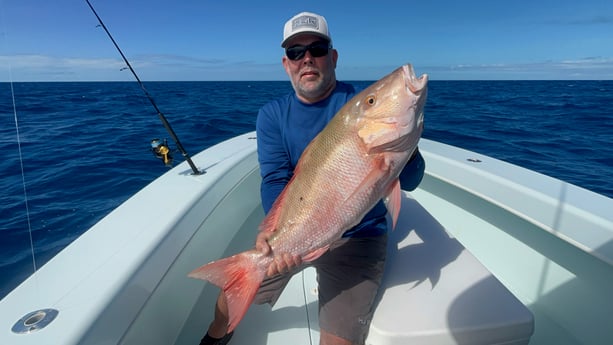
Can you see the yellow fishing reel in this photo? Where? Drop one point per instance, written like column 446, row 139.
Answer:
column 161, row 150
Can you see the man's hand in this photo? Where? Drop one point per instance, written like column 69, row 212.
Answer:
column 282, row 263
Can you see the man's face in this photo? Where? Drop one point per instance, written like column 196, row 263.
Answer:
column 313, row 78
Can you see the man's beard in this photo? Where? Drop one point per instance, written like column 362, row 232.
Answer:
column 314, row 91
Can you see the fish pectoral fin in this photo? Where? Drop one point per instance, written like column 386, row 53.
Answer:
column 315, row 254
column 380, row 167
column 392, row 201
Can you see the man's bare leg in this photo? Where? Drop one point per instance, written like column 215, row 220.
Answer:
column 219, row 325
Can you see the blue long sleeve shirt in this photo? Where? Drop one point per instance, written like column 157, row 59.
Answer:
column 286, row 126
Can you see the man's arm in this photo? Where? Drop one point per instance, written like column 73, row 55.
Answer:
column 275, row 169
column 272, row 156
column 413, row 172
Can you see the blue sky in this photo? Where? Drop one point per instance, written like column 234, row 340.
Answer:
column 57, row 40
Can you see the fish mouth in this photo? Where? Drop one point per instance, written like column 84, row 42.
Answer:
column 413, row 83
column 417, row 86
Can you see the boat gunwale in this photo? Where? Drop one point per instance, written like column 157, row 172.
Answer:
column 558, row 198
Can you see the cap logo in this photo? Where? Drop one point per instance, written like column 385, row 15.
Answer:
column 305, row 22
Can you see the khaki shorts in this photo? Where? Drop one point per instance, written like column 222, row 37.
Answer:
column 349, row 276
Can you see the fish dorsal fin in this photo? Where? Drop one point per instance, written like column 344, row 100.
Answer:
column 271, row 221
column 272, row 218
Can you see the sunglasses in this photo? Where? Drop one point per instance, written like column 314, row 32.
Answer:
column 317, row 49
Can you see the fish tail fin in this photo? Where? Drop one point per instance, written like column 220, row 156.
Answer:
column 239, row 277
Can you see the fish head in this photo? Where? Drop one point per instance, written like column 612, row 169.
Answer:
column 388, row 115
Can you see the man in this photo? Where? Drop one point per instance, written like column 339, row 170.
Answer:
column 349, row 274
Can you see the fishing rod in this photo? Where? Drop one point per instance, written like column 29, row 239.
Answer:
column 161, row 150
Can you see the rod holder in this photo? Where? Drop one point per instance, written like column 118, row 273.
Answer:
column 34, row 321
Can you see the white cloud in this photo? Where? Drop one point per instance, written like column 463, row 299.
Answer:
column 50, row 68
column 42, row 61
column 176, row 67
column 150, row 67
column 585, row 68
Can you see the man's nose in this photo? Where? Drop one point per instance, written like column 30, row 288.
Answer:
column 308, row 58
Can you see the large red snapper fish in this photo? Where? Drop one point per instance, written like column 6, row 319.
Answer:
column 351, row 165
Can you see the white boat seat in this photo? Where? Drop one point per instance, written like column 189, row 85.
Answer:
column 436, row 292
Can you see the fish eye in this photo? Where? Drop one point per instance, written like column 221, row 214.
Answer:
column 371, row 100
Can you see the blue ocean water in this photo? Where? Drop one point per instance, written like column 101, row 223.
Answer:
column 85, row 147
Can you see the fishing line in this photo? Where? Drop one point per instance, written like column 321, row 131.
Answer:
column 160, row 114
column 23, row 174
column 20, row 153
column 306, row 303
